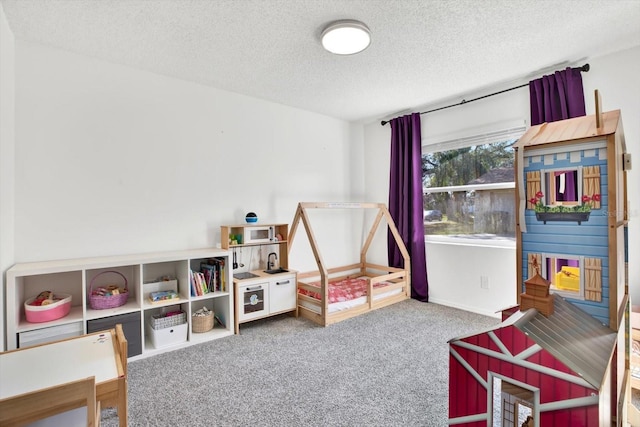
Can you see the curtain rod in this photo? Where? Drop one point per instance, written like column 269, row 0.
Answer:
column 584, row 68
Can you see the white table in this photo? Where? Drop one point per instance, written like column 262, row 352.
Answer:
column 97, row 354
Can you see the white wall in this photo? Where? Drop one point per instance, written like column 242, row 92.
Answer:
column 454, row 271
column 7, row 150
column 617, row 77
column 113, row 160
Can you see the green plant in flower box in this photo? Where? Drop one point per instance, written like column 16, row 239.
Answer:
column 586, row 206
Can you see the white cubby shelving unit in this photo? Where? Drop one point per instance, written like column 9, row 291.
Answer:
column 144, row 273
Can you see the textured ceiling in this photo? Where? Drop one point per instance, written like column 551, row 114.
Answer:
column 422, row 51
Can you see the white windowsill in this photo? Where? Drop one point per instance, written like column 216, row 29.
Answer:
column 485, row 241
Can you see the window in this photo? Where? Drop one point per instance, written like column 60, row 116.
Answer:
column 562, row 186
column 564, row 190
column 511, row 404
column 571, row 276
column 565, row 274
column 469, row 189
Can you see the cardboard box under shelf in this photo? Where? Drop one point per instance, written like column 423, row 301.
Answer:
column 543, row 304
column 166, row 337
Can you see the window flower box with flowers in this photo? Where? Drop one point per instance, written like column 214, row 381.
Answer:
column 576, row 213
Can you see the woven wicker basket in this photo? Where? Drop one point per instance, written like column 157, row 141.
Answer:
column 163, row 321
column 202, row 323
column 100, row 302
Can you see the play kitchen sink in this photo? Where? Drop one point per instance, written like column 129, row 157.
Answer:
column 242, row 276
column 272, row 268
column 254, row 274
column 276, row 271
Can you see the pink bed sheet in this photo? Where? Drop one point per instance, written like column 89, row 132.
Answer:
column 343, row 290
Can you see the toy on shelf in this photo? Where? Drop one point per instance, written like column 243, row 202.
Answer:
column 163, row 296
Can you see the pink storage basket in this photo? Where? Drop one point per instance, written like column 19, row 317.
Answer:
column 101, row 302
column 49, row 312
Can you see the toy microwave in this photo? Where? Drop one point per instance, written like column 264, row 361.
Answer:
column 258, row 234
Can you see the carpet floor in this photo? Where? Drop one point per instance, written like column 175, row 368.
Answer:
column 388, row 367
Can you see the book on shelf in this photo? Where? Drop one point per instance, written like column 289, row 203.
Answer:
column 192, row 282
column 210, row 278
column 196, row 283
column 220, row 322
column 202, row 289
column 210, row 275
column 203, row 283
column 220, row 264
column 223, row 274
column 214, row 271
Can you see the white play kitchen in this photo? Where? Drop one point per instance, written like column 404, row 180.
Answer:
column 263, row 286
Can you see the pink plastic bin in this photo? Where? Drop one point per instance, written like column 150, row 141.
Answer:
column 47, row 313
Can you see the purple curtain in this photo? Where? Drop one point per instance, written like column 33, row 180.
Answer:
column 557, row 96
column 566, row 186
column 405, row 201
column 571, row 189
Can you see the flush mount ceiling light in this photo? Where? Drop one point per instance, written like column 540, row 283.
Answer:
column 346, row 37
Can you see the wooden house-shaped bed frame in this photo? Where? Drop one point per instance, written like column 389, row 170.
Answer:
column 396, row 281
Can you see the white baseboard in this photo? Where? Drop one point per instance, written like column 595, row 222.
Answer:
column 466, row 308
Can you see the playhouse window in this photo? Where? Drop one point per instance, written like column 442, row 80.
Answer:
column 511, row 404
column 565, row 273
column 562, row 186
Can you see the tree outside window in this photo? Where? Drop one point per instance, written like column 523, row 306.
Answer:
column 473, row 190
